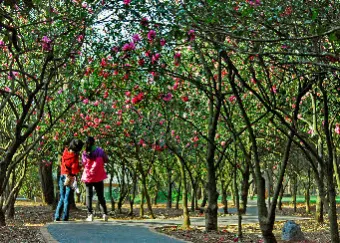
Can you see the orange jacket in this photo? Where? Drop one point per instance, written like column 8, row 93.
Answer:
column 69, row 163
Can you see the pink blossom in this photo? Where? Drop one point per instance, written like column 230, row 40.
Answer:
column 84, row 5
column 86, row 101
column 191, row 34
column 232, row 98
column 46, row 43
column 96, row 103
column 60, row 91
column 127, row 2
column 80, row 38
column 311, row 131
column 155, row 57
column 45, row 39
column 127, row 93
column 337, row 129
column 151, row 35
column 141, row 62
column 175, row 86
column 167, row 97
column 273, row 89
column 7, row 89
column 162, row 42
column 136, row 38
column 115, row 49
column 172, row 132
column 144, row 22
column 129, row 46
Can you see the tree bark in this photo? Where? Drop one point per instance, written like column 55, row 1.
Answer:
column 148, row 200
column 46, row 180
column 237, row 199
column 141, row 206
column 112, row 200
column 224, row 197
column 2, row 218
column 178, row 194
column 244, row 189
column 294, row 191
column 169, row 196
column 186, row 219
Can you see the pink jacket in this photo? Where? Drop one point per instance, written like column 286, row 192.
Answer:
column 93, row 164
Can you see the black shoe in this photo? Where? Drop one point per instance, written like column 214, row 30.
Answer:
column 57, row 219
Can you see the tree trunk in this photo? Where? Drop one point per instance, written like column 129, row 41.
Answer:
column 307, row 193
column 133, row 196
column 112, row 200
column 46, row 180
column 245, row 188
column 237, row 199
column 141, row 207
column 186, row 219
column 294, row 192
column 178, row 194
column 332, row 216
column 279, row 204
column 2, row 218
column 155, row 197
column 193, row 197
column 169, row 196
column 224, row 197
column 148, row 200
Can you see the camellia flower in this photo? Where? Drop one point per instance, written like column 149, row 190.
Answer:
column 127, row 93
column 191, row 34
column 177, row 58
column 141, row 62
column 162, row 42
column 274, row 89
column 151, row 35
column 136, row 38
column 86, row 101
column 46, row 43
column 144, row 22
column 155, row 58
column 337, row 129
column 232, row 98
column 127, row 2
column 80, row 38
column 185, row 98
column 167, row 97
column 129, row 46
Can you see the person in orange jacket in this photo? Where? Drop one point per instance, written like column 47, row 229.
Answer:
column 69, row 169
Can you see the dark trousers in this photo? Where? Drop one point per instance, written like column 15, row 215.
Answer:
column 99, row 187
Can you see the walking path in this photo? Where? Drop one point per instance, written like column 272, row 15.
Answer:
column 136, row 231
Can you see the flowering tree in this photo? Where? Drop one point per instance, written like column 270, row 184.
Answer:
column 40, row 45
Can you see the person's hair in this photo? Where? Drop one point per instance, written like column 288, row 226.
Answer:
column 76, row 145
column 89, row 143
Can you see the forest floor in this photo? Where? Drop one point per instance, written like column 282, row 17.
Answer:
column 30, row 216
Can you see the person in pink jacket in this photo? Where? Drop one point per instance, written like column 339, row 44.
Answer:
column 94, row 159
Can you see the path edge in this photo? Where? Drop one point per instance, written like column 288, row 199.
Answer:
column 46, row 235
column 153, row 230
